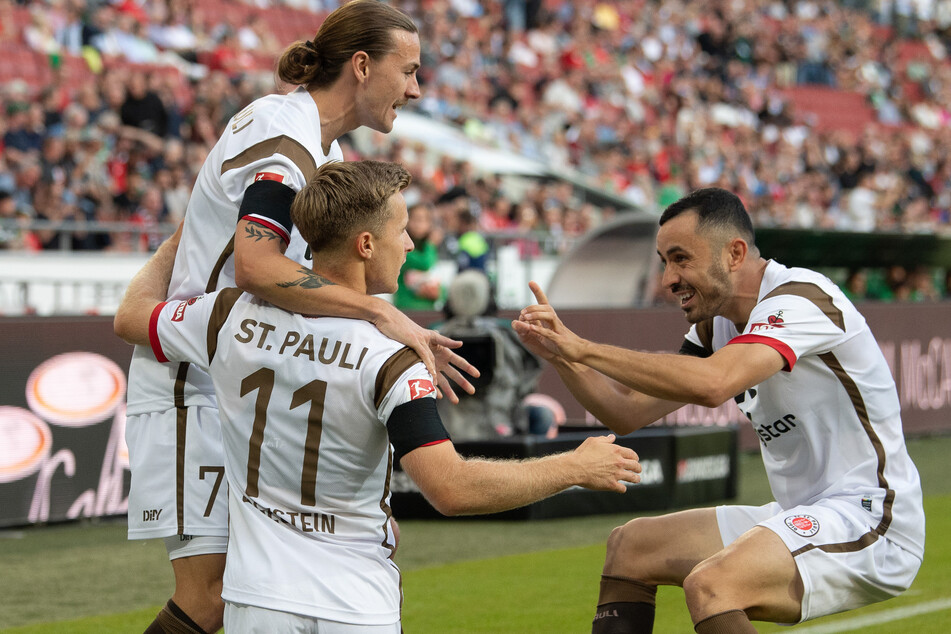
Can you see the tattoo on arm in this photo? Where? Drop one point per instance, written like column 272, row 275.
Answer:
column 258, row 233
column 308, row 279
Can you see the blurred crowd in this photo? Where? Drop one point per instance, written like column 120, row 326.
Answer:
column 109, row 108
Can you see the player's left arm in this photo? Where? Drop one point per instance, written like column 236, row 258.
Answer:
column 683, row 378
column 147, row 289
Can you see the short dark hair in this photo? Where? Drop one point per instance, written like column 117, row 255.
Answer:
column 717, row 210
column 345, row 198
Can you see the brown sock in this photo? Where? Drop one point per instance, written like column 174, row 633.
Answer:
column 729, row 622
column 625, row 606
column 173, row 620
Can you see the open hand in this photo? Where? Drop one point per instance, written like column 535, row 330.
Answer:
column 605, row 466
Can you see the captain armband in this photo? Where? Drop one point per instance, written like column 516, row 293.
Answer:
column 415, row 424
column 268, row 203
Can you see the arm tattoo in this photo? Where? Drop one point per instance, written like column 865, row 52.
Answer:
column 309, row 279
column 258, row 233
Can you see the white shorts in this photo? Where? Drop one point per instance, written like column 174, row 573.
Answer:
column 249, row 619
column 178, row 488
column 843, row 563
column 180, row 546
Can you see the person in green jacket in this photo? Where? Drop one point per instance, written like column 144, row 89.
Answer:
column 418, row 288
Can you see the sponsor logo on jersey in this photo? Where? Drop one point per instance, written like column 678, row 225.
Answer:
column 773, row 321
column 151, row 515
column 805, row 525
column 179, row 313
column 268, row 176
column 418, row 388
column 778, row 427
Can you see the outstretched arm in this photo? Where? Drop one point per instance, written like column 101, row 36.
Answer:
column 670, row 377
column 458, row 486
column 617, row 406
column 262, row 269
column 147, row 289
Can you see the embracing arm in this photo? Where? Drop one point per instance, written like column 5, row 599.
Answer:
column 262, row 270
column 147, row 289
column 458, row 486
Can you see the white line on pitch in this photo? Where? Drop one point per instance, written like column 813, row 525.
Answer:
column 895, row 614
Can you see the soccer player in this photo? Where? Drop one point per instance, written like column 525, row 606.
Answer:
column 316, row 410
column 846, row 528
column 357, row 71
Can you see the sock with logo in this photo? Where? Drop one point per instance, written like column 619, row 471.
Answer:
column 729, row 622
column 625, row 606
column 173, row 620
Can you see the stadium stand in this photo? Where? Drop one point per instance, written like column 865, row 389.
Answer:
column 789, row 105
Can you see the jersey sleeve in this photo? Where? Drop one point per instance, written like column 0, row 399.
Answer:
column 408, row 409
column 793, row 326
column 178, row 330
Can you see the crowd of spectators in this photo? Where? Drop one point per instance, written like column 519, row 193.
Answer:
column 647, row 99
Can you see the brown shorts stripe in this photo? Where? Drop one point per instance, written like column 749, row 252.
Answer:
column 181, row 420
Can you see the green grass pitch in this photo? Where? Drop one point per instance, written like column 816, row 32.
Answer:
column 459, row 576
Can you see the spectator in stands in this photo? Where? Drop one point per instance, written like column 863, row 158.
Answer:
column 143, row 108
column 418, row 287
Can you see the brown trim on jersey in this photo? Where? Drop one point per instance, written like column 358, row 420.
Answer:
column 814, row 294
column 181, row 420
column 394, row 367
column 705, row 334
column 212, row 284
column 383, row 505
column 283, row 145
column 855, row 396
column 219, row 314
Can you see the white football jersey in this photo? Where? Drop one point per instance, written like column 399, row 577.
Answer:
column 830, row 423
column 304, row 403
column 275, row 138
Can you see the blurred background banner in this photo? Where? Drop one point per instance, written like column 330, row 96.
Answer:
column 62, row 420
column 62, row 410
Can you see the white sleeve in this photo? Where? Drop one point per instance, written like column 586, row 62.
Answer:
column 413, row 384
column 178, row 330
column 793, row 326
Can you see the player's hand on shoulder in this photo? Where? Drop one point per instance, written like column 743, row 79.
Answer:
column 604, row 465
column 434, row 349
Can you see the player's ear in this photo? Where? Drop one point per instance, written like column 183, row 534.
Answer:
column 360, row 66
column 738, row 250
column 365, row 245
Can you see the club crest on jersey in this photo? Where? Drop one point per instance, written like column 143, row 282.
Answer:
column 805, row 525
column 268, row 176
column 773, row 321
column 179, row 313
column 418, row 388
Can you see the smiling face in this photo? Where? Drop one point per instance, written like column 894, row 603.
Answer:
column 694, row 268
column 390, row 82
column 390, row 249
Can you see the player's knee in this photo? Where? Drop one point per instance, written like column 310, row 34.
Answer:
column 706, row 583
column 625, row 547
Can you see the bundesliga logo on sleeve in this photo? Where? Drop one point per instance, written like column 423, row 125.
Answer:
column 418, row 388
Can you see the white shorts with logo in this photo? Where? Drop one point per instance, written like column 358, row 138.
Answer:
column 250, row 619
column 842, row 566
column 178, row 475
